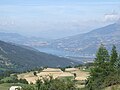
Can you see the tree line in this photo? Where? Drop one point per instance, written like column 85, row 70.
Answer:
column 106, row 69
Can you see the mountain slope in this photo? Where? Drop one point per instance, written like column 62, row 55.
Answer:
column 87, row 44
column 20, row 59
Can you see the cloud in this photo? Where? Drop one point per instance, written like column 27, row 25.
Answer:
column 111, row 17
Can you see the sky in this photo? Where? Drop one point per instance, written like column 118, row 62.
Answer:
column 56, row 18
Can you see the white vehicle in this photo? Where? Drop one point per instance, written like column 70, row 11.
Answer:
column 15, row 88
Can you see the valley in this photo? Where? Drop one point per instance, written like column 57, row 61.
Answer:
column 81, row 45
column 59, row 44
column 19, row 58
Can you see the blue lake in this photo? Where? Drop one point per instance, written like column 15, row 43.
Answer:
column 61, row 53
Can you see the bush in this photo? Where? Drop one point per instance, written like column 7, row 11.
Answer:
column 24, row 81
column 28, row 87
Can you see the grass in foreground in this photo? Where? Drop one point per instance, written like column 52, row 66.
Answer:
column 6, row 86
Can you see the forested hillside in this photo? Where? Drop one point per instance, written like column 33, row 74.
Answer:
column 20, row 58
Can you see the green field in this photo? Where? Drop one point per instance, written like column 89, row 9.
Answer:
column 6, row 86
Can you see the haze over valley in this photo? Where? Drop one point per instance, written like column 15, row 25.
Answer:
column 80, row 45
column 59, row 44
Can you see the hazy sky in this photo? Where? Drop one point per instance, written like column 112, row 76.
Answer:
column 56, row 18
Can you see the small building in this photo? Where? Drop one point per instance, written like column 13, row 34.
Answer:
column 15, row 88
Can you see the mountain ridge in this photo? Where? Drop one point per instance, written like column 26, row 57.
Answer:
column 88, row 43
column 13, row 57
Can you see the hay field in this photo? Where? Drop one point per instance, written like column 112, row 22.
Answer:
column 55, row 73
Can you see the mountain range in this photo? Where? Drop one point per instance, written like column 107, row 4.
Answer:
column 87, row 44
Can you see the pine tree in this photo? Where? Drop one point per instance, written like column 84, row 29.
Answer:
column 114, row 56
column 106, row 71
column 102, row 57
column 117, row 65
column 100, row 70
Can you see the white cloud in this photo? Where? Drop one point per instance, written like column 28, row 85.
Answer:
column 111, row 17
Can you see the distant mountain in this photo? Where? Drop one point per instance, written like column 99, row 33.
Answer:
column 12, row 37
column 19, row 58
column 76, row 46
column 87, row 43
column 22, row 40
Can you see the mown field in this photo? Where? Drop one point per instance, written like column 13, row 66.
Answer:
column 56, row 73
